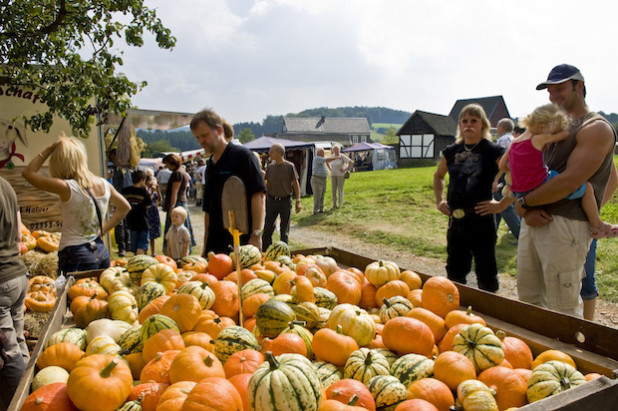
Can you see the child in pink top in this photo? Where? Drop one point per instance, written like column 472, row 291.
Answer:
column 524, row 160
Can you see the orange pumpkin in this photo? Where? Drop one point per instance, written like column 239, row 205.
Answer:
column 157, row 369
column 344, row 389
column 163, row 259
column 303, row 289
column 440, row 295
column 175, row 395
column 62, row 354
column 148, row 394
column 368, row 296
column 592, row 376
column 509, row 386
column 406, row 335
column 168, row 339
column 205, row 278
column 136, row 363
column 48, row 243
column 433, row 321
column 40, row 301
column 314, row 274
column 446, row 343
column 463, row 317
column 213, row 393
column 416, row 297
column 412, row 279
column 285, row 343
column 183, row 308
column 226, row 299
column 516, row 351
column 196, row 266
column 453, row 368
column 212, row 324
column 198, row 338
column 345, row 286
column 50, row 397
column 550, row 355
column 284, row 282
column 194, row 364
column 241, row 383
column 416, row 404
column 251, row 304
column 433, row 391
column 93, row 309
column 87, row 287
column 333, row 346
column 391, row 289
column 334, row 405
column 219, row 265
column 241, row 362
column 99, row 383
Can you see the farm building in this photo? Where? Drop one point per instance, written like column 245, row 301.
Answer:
column 494, row 107
column 343, row 130
column 425, row 135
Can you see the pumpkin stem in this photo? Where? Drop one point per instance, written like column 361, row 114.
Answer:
column 297, row 322
column 339, row 329
column 469, row 310
column 566, row 383
column 368, row 359
column 272, row 361
column 208, row 361
column 107, row 371
column 381, row 263
column 353, row 400
column 501, row 335
column 388, row 304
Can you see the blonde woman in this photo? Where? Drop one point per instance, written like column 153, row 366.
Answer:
column 81, row 247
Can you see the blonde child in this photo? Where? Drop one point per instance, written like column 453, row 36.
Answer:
column 524, row 159
column 178, row 237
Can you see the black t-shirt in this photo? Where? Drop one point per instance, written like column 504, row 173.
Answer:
column 235, row 161
column 471, row 173
column 181, row 196
column 139, row 198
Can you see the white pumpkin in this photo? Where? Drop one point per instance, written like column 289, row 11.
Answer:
column 49, row 375
column 105, row 326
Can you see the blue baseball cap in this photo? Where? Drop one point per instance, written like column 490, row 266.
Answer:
column 560, row 74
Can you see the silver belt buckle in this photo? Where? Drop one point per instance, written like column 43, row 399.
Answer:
column 458, row 213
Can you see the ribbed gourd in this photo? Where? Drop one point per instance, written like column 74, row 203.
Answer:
column 73, row 335
column 327, row 372
column 275, row 250
column 480, row 345
column 387, row 390
column 233, row 339
column 412, row 367
column 364, row 364
column 552, row 377
column 273, row 316
column 156, row 323
column 249, row 255
column 137, row 264
column 287, row 382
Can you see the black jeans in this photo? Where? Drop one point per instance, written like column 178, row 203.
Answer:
column 468, row 237
column 87, row 256
column 277, row 206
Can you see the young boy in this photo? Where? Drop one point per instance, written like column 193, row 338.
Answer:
column 137, row 220
column 178, row 237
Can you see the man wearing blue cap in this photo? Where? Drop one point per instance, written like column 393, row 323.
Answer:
column 555, row 235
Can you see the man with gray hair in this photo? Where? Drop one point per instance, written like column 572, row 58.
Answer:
column 505, row 137
column 281, row 183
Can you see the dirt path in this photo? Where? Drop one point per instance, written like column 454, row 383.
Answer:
column 606, row 313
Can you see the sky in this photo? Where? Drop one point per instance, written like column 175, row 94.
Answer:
column 247, row 59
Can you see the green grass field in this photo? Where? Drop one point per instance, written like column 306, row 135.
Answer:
column 396, row 208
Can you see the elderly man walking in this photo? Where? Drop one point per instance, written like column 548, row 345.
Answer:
column 281, row 184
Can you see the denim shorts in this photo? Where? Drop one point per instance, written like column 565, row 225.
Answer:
column 589, row 284
column 139, row 240
column 88, row 256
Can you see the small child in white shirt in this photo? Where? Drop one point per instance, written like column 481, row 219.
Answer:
column 178, row 237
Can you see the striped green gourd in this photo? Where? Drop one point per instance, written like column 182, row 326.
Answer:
column 156, row 323
column 192, row 259
column 273, row 316
column 412, row 367
column 307, row 312
column 130, row 341
column 202, row 291
column 552, row 377
column 287, row 261
column 287, row 382
column 233, row 339
column 286, row 298
column 364, row 364
column 256, row 286
column 324, row 316
column 249, row 255
column 298, row 328
column 275, row 250
column 73, row 335
column 137, row 264
column 390, row 356
column 396, row 306
column 387, row 390
column 103, row 344
column 327, row 372
column 148, row 292
column 324, row 298
column 480, row 345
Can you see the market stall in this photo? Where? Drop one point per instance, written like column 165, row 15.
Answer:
column 372, row 156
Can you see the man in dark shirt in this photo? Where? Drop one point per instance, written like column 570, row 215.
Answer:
column 227, row 160
column 137, row 219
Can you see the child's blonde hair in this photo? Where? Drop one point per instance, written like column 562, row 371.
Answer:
column 550, row 115
column 69, row 161
column 180, row 210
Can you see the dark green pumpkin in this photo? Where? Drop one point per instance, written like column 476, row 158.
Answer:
column 273, row 316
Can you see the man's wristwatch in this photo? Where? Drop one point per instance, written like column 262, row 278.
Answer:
column 257, row 233
column 522, row 202
column 298, row 200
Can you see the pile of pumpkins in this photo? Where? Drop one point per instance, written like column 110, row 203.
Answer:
column 309, row 335
column 42, row 240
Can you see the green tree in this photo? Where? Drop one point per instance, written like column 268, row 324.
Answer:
column 245, row 135
column 65, row 51
column 390, row 136
column 160, row 146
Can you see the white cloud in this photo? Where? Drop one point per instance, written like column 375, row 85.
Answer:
column 248, row 59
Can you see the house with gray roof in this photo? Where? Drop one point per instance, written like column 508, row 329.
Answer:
column 494, row 107
column 425, row 135
column 343, row 130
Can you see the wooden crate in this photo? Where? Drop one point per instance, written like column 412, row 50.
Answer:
column 593, row 347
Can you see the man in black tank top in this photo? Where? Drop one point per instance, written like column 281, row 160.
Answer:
column 555, row 235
